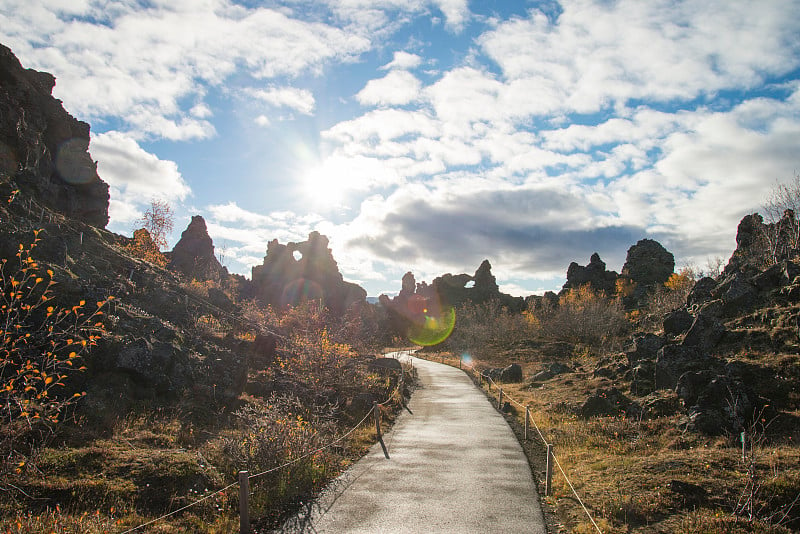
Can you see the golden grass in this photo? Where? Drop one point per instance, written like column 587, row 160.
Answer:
column 623, row 468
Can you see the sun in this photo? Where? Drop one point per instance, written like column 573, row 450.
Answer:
column 324, row 185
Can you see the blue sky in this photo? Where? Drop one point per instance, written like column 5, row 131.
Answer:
column 428, row 135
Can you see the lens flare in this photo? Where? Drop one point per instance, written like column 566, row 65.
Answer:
column 434, row 328
column 302, row 290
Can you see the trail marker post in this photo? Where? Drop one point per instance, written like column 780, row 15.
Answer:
column 377, row 410
column 527, row 418
column 244, row 495
column 548, row 480
column 500, row 400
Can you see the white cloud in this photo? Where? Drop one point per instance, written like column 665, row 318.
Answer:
column 134, row 175
column 140, row 64
column 300, row 100
column 667, row 51
column 396, row 88
column 456, row 13
column 403, row 61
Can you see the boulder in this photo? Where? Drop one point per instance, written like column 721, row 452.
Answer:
column 663, row 403
column 739, row 297
column 677, row 322
column 643, row 378
column 701, row 291
column 605, row 402
column 648, row 264
column 674, row 360
column 705, row 333
column 645, row 347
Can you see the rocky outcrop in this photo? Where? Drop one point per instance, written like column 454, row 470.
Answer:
column 44, row 148
column 648, row 264
column 193, row 254
column 594, row 274
column 478, row 288
column 304, row 272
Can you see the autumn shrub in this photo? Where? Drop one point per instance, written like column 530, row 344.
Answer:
column 40, row 349
column 666, row 298
column 485, row 325
column 142, row 246
column 584, row 316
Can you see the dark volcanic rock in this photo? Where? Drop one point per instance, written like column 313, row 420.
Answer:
column 193, row 254
column 645, row 347
column 45, row 148
column 302, row 272
column 594, row 274
column 677, row 322
column 648, row 263
column 705, row 333
column 674, row 360
column 701, row 292
column 605, row 402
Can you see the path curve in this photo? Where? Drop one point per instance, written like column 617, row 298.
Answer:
column 455, row 466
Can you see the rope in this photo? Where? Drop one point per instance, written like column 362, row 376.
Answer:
column 180, row 509
column 311, row 453
column 511, row 399
column 576, row 494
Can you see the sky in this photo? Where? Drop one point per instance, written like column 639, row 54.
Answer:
column 429, row 135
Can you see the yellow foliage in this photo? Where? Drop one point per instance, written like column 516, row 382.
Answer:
column 681, row 281
column 144, row 247
column 625, row 287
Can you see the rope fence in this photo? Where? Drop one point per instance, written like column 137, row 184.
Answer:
column 552, row 460
column 244, row 477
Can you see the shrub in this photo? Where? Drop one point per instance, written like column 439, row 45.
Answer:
column 145, row 248
column 40, row 348
column 488, row 324
column 583, row 315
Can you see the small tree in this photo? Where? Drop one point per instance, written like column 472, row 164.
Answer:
column 158, row 220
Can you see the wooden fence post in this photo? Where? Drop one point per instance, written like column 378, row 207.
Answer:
column 548, row 484
column 377, row 410
column 500, row 400
column 527, row 418
column 244, row 495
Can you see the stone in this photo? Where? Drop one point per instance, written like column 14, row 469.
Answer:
column 648, row 263
column 701, row 291
column 645, row 347
column 594, row 274
column 643, row 378
column 605, row 402
column 677, row 322
column 44, row 148
column 663, row 403
column 304, row 272
column 674, row 360
column 739, row 298
column 193, row 254
column 511, row 373
column 691, row 385
column 705, row 333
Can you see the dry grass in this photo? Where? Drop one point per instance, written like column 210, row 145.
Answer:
column 624, row 468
